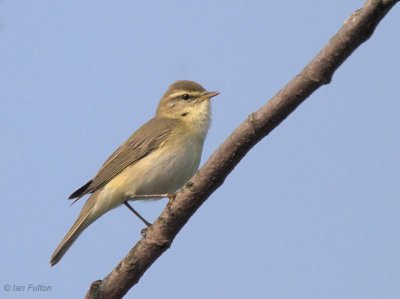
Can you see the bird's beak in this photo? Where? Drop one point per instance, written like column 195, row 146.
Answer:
column 210, row 94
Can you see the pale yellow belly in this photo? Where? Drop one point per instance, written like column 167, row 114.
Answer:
column 158, row 173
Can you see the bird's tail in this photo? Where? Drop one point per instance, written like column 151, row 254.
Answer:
column 85, row 218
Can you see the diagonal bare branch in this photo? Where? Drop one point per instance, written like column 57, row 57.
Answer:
column 356, row 30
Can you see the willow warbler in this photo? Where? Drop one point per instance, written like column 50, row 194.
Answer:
column 159, row 158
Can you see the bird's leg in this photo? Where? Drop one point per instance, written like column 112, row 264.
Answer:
column 137, row 214
column 170, row 196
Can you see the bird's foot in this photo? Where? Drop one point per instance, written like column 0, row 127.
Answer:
column 171, row 198
column 143, row 232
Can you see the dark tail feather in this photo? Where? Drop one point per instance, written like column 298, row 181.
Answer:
column 81, row 191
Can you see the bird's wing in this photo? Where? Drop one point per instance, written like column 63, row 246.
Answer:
column 139, row 144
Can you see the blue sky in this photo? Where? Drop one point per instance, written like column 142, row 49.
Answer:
column 311, row 212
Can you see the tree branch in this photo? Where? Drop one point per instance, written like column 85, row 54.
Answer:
column 158, row 238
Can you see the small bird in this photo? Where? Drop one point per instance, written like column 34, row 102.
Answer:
column 155, row 161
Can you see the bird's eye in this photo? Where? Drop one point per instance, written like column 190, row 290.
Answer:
column 185, row 97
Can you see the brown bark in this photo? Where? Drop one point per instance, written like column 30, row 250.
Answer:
column 356, row 30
